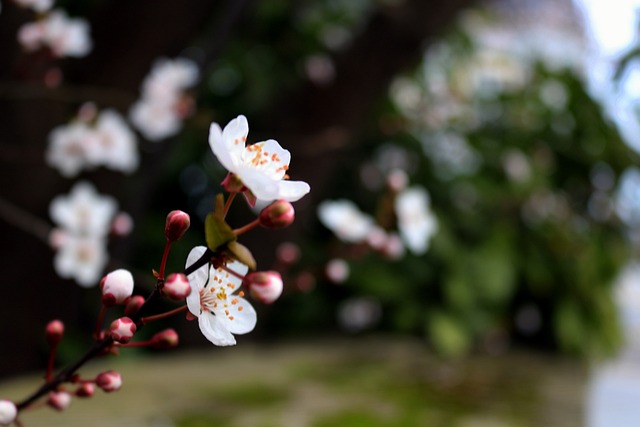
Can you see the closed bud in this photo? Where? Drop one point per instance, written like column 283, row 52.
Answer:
column 278, row 214
column 54, row 332
column 165, row 339
column 59, row 400
column 176, row 287
column 116, row 287
column 264, row 286
column 122, row 330
column 177, row 224
column 133, row 305
column 109, row 381
column 8, row 412
column 85, row 390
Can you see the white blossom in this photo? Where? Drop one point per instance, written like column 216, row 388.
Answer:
column 82, row 258
column 36, row 5
column 262, row 167
column 84, row 211
column 416, row 223
column 217, row 301
column 346, row 221
column 163, row 103
column 63, row 35
column 68, row 148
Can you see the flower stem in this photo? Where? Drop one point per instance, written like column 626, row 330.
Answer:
column 250, row 226
column 51, row 362
column 163, row 264
column 99, row 322
column 155, row 317
column 227, row 204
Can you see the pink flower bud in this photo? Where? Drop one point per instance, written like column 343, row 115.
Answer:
column 264, row 286
column 165, row 339
column 59, row 400
column 133, row 305
column 122, row 330
column 177, row 224
column 116, row 287
column 85, row 390
column 176, row 287
column 8, row 412
column 278, row 214
column 54, row 332
column 109, row 381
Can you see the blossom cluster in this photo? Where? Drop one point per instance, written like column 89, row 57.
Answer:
column 54, row 30
column 164, row 103
column 84, row 218
column 416, row 223
column 215, row 287
column 91, row 140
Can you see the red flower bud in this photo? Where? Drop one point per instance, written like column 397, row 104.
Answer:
column 59, row 400
column 177, row 224
column 278, row 214
column 264, row 286
column 165, row 339
column 109, row 381
column 8, row 412
column 133, row 305
column 176, row 287
column 54, row 332
column 85, row 390
column 122, row 330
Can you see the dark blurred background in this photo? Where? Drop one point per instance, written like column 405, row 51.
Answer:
column 521, row 161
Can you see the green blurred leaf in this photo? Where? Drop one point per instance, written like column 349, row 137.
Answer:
column 217, row 232
column 241, row 253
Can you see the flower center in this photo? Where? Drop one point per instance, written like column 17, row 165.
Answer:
column 219, row 299
column 256, row 156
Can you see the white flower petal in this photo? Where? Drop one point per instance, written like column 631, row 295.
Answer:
column 198, row 278
column 292, row 191
column 215, row 330
column 219, row 149
column 260, row 184
column 244, row 317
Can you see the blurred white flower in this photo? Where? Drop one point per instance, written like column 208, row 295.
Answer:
column 162, row 106
column 416, row 223
column 63, row 35
column 261, row 167
column 79, row 145
column 68, row 147
column 83, row 211
column 117, row 147
column 36, row 5
column 213, row 300
column 82, row 258
column 83, row 219
column 346, row 221
column 155, row 120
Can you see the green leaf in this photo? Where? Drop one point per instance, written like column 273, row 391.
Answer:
column 217, row 232
column 241, row 253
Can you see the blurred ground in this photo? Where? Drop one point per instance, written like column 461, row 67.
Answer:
column 346, row 382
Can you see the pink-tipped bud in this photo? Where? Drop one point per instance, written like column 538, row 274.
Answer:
column 116, row 287
column 59, row 400
column 54, row 332
column 165, row 339
column 177, row 224
column 176, row 287
column 133, row 305
column 85, row 390
column 122, row 330
column 8, row 412
column 109, row 381
column 264, row 286
column 278, row 214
